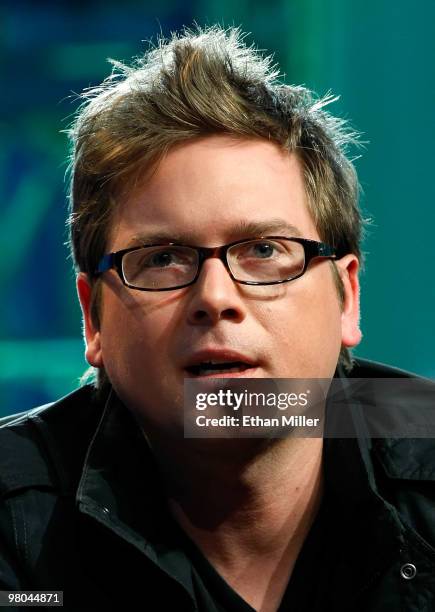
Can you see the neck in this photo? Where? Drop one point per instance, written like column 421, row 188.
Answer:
column 247, row 504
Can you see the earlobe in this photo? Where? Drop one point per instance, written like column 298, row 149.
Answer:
column 348, row 268
column 93, row 351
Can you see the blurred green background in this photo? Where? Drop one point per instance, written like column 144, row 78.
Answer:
column 378, row 56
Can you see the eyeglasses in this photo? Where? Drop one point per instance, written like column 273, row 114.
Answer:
column 268, row 260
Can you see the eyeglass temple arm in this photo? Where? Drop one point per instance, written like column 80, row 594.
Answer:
column 106, row 262
column 326, row 251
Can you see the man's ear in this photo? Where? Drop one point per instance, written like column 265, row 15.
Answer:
column 93, row 351
column 348, row 268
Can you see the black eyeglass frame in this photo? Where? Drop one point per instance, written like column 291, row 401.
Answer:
column 312, row 249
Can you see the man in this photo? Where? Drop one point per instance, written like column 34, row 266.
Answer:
column 215, row 229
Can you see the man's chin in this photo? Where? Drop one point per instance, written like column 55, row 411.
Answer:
column 202, row 453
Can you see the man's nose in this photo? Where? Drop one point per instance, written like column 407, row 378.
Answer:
column 215, row 295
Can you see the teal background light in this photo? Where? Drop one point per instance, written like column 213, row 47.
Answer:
column 378, row 56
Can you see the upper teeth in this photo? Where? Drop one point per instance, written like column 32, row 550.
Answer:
column 229, row 369
column 215, row 362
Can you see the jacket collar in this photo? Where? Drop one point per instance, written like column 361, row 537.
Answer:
column 120, row 487
column 120, row 476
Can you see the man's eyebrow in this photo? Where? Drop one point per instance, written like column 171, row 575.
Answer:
column 269, row 226
column 242, row 229
column 157, row 238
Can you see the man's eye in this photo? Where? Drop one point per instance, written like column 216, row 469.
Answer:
column 165, row 258
column 259, row 251
column 159, row 260
column 254, row 252
column 263, row 250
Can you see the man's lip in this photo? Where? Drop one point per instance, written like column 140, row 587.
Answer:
column 248, row 373
column 218, row 354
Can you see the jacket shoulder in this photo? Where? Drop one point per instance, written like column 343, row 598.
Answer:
column 365, row 368
column 404, row 467
column 45, row 446
column 413, row 396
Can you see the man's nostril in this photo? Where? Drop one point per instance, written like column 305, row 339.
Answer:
column 200, row 314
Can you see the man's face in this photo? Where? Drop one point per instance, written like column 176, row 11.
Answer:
column 207, row 193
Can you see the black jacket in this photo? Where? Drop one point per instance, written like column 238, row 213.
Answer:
column 82, row 511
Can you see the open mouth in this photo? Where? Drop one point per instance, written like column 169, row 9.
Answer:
column 208, row 368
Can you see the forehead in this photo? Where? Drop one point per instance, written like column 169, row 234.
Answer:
column 214, row 190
